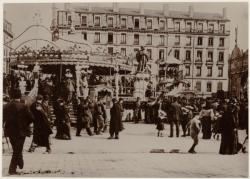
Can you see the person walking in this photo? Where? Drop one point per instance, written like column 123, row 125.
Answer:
column 207, row 116
column 84, row 117
column 115, row 120
column 137, row 110
column 195, row 126
column 100, row 115
column 175, row 118
column 16, row 122
column 228, row 128
column 62, row 120
column 42, row 130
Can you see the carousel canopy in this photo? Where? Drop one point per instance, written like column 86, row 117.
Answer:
column 171, row 60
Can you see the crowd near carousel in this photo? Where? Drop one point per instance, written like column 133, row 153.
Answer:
column 99, row 92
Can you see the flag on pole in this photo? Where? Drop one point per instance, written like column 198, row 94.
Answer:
column 170, row 51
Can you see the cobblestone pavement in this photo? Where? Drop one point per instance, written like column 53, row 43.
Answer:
column 130, row 157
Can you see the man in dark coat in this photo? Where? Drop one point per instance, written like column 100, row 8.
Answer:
column 62, row 120
column 115, row 120
column 84, row 117
column 16, row 121
column 176, row 114
column 42, row 128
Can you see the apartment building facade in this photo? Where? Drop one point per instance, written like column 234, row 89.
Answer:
column 199, row 40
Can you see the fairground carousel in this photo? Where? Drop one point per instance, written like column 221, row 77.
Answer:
column 94, row 72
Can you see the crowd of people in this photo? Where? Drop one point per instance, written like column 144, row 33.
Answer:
column 195, row 115
column 210, row 116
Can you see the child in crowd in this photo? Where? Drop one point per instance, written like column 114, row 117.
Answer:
column 160, row 122
column 195, row 126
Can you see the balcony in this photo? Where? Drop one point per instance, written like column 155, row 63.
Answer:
column 220, row 62
column 198, row 60
column 209, row 61
column 187, row 61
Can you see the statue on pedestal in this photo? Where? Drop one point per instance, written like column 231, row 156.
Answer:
column 142, row 60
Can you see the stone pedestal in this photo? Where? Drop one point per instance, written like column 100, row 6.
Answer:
column 140, row 85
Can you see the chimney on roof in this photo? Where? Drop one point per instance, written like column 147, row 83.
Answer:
column 165, row 10
column 224, row 13
column 141, row 5
column 115, row 7
column 89, row 7
column 191, row 11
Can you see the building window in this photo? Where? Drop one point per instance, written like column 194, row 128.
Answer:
column 189, row 27
column 210, row 41
column 123, row 39
column 199, row 40
column 136, row 39
column 210, row 56
column 198, row 71
column 199, row 55
column 84, row 35
column 123, row 23
column 69, row 20
column 177, row 40
column 187, row 70
column 110, row 50
column 220, row 71
column 211, row 28
column 221, row 56
column 61, row 16
column 198, row 86
column 123, row 51
column 200, row 27
column 222, row 28
column 161, row 54
column 110, row 21
column 221, row 42
column 188, row 55
column 177, row 54
column 110, row 38
column 219, row 86
column 188, row 40
column 149, row 24
column 209, row 71
column 149, row 53
column 137, row 23
column 97, row 37
column 162, row 42
column 149, row 39
column 162, row 25
column 177, row 26
column 97, row 21
column 84, row 21
column 209, row 86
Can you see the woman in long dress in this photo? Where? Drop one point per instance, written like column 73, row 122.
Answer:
column 207, row 115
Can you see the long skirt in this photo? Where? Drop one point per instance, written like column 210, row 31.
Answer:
column 206, row 127
column 229, row 143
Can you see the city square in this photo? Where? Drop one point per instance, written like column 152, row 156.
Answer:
column 161, row 89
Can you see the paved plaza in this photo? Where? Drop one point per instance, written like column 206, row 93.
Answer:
column 130, row 156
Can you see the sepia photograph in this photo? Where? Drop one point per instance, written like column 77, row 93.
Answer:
column 125, row 89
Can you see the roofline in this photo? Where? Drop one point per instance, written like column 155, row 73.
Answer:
column 159, row 16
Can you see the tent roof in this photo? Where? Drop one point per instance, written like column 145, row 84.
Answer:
column 171, row 60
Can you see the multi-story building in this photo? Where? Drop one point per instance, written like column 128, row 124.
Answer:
column 8, row 36
column 238, row 73
column 199, row 40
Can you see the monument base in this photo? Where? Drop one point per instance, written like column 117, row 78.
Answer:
column 140, row 85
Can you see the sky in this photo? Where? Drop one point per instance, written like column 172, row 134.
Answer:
column 22, row 15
